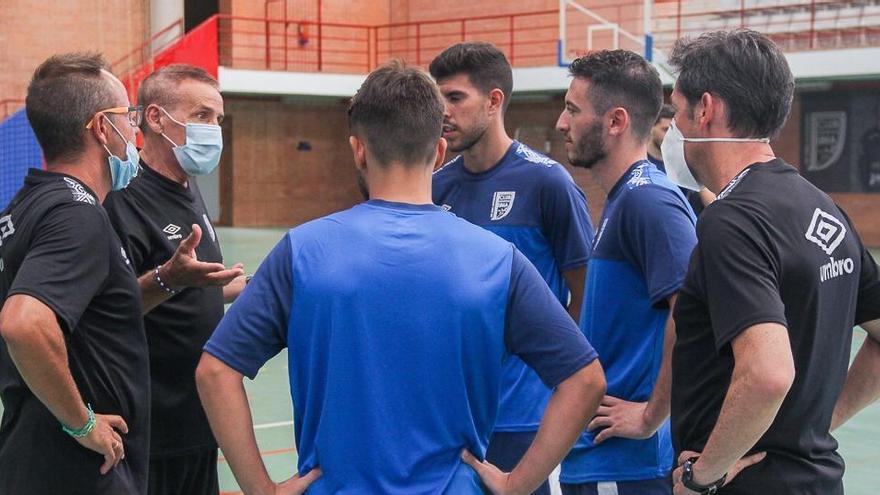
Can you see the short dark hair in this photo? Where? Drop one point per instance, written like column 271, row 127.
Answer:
column 621, row 78
column 160, row 87
column 65, row 92
column 667, row 111
column 486, row 67
column 398, row 111
column 746, row 70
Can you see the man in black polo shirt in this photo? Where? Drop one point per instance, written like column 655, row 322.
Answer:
column 777, row 281
column 73, row 352
column 159, row 212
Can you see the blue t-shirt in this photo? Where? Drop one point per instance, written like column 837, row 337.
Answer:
column 640, row 256
column 531, row 201
column 658, row 162
column 398, row 319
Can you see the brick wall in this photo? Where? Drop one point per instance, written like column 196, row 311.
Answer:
column 275, row 184
column 273, row 179
column 270, row 181
column 32, row 31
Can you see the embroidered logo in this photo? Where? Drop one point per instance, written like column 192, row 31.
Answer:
column 124, row 256
column 533, row 156
column 502, row 203
column 79, row 192
column 209, row 227
column 446, row 207
column 825, row 231
column 173, row 232
column 638, row 177
column 6, row 228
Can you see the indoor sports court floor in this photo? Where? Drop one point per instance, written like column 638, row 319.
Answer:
column 270, row 397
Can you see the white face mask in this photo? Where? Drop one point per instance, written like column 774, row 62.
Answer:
column 672, row 150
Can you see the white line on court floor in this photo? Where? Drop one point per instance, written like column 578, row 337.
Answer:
column 273, row 425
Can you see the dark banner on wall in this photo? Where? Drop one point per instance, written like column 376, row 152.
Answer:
column 841, row 140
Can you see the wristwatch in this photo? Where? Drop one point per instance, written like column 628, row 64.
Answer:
column 687, row 479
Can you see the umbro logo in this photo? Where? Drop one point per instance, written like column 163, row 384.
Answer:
column 79, row 192
column 825, row 231
column 446, row 207
column 172, row 231
column 6, row 228
column 502, row 203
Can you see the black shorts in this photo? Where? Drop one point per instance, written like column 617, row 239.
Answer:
column 194, row 473
column 505, row 450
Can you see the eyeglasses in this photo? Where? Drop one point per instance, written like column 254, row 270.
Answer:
column 134, row 114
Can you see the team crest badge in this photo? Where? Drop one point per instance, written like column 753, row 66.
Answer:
column 502, row 203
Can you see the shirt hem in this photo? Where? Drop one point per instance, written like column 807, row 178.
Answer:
column 574, row 264
column 46, row 300
column 516, row 428
column 630, row 476
column 228, row 360
column 744, row 324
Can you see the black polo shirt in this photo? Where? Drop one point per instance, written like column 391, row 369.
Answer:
column 152, row 215
column 773, row 248
column 58, row 246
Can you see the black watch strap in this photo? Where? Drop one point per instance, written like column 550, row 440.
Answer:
column 687, row 479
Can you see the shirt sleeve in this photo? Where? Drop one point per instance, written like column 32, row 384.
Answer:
column 868, row 303
column 539, row 330
column 740, row 272
column 566, row 220
column 68, row 261
column 659, row 238
column 255, row 327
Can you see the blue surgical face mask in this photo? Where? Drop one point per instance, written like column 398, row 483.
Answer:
column 122, row 171
column 201, row 153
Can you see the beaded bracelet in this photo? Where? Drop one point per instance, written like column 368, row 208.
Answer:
column 85, row 430
column 162, row 284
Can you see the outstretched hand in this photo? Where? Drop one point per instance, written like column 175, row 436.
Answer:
column 185, row 270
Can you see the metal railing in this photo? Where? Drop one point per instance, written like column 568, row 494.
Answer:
column 528, row 39
column 796, row 25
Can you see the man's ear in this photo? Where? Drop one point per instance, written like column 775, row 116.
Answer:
column 441, row 153
column 359, row 152
column 707, row 109
column 496, row 101
column 151, row 117
column 619, row 121
column 100, row 128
